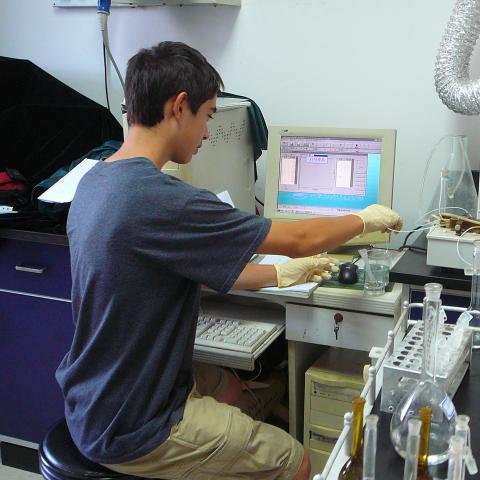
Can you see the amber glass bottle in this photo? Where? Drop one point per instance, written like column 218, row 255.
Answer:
column 426, row 418
column 352, row 470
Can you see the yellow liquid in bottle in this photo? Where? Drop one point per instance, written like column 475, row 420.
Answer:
column 353, row 468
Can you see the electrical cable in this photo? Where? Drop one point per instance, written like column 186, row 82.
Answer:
column 104, row 30
column 408, row 236
column 262, row 204
column 458, row 249
column 105, row 77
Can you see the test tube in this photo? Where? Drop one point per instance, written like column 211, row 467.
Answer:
column 370, row 447
column 413, row 444
column 462, row 429
column 456, row 465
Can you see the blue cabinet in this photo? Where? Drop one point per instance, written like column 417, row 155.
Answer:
column 36, row 331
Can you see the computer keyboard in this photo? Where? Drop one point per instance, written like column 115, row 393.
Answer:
column 230, row 334
column 234, row 342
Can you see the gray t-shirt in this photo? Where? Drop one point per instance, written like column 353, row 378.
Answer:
column 141, row 243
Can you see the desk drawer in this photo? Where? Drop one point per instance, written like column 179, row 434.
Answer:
column 357, row 331
column 36, row 268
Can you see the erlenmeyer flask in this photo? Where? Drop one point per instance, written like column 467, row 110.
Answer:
column 472, row 314
column 428, row 391
column 447, row 184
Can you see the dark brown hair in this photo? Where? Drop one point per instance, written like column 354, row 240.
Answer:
column 156, row 74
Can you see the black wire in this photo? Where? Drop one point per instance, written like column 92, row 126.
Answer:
column 262, row 204
column 413, row 248
column 105, row 76
column 408, row 236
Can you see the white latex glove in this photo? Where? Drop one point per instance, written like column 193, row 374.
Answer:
column 307, row 269
column 377, row 218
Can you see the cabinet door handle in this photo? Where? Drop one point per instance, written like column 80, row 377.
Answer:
column 30, row 269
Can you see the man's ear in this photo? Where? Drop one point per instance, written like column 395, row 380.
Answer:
column 180, row 103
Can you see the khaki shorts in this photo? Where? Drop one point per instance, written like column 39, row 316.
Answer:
column 217, row 441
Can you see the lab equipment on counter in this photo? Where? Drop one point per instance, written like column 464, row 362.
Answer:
column 413, row 444
column 370, row 447
column 455, row 193
column 456, row 452
column 403, row 368
column 429, row 391
column 377, row 271
column 353, row 468
column 472, row 315
column 462, row 429
column 425, row 413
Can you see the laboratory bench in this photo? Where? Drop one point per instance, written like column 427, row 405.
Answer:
column 412, row 269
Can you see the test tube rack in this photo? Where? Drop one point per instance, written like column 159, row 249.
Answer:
column 402, row 370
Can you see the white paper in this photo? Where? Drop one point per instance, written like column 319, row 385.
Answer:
column 64, row 190
column 226, row 198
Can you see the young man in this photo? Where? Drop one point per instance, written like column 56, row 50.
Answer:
column 141, row 245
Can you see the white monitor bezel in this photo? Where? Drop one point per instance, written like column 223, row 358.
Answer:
column 387, row 168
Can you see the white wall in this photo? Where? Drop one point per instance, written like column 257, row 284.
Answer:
column 306, row 62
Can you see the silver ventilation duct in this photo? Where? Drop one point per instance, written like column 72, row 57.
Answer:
column 452, row 81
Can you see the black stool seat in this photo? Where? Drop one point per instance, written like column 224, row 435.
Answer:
column 60, row 459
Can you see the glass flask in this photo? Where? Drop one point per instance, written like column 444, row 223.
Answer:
column 423, row 449
column 352, row 470
column 473, row 311
column 447, row 184
column 370, row 447
column 428, row 391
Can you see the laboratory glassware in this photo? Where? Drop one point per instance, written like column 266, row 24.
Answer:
column 456, row 464
column 413, row 443
column 352, row 470
column 370, row 447
column 428, row 391
column 473, row 311
column 462, row 429
column 447, row 184
column 423, row 450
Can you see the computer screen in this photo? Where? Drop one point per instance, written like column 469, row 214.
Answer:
column 328, row 172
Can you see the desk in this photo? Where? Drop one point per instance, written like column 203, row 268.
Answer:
column 412, row 269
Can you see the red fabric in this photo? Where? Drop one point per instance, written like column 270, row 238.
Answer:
column 6, row 183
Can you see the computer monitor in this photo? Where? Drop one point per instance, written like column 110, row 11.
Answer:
column 314, row 172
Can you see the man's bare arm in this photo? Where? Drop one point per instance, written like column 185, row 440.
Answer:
column 256, row 276
column 302, row 238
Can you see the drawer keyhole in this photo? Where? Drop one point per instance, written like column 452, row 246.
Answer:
column 338, row 317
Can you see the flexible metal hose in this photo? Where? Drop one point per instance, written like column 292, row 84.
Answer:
column 452, row 80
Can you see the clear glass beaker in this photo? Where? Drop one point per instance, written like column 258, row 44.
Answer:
column 428, row 391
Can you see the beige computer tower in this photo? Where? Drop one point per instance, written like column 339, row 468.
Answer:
column 225, row 161
column 330, row 385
